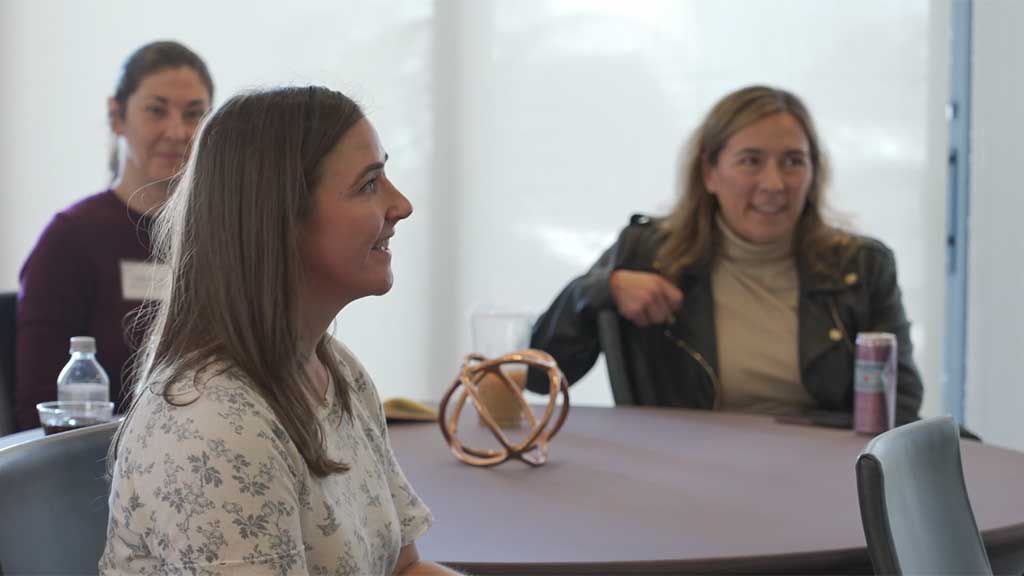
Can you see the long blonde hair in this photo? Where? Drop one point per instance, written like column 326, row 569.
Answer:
column 688, row 231
column 229, row 233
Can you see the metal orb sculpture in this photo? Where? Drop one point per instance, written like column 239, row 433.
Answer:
column 533, row 449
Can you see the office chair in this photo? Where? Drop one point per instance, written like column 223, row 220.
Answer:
column 8, row 304
column 914, row 506
column 53, row 494
column 609, row 332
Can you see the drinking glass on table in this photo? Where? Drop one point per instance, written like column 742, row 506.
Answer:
column 496, row 333
column 64, row 415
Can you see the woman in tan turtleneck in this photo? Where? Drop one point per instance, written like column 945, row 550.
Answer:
column 743, row 298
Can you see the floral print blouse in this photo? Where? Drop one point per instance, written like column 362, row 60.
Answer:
column 217, row 487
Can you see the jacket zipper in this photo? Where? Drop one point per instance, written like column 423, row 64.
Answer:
column 679, row 342
column 839, row 324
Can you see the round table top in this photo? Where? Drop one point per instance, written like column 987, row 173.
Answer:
column 656, row 490
column 633, row 490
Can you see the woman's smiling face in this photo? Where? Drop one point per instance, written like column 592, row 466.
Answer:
column 761, row 178
column 344, row 244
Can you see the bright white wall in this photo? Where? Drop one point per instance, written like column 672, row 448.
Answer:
column 524, row 132
column 995, row 318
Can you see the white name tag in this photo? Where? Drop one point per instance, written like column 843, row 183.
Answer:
column 144, row 280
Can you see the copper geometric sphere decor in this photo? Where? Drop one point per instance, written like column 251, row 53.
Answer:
column 533, row 450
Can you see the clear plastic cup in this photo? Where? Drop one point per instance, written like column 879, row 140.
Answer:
column 496, row 333
column 64, row 415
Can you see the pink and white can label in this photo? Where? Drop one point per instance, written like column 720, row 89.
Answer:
column 874, row 383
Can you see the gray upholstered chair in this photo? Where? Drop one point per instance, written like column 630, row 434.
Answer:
column 53, row 494
column 914, row 506
column 8, row 305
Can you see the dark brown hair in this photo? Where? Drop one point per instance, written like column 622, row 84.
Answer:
column 229, row 233
column 688, row 231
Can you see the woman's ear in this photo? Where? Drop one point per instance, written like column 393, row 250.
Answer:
column 115, row 116
column 708, row 173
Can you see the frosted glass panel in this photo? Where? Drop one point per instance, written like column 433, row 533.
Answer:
column 994, row 395
column 64, row 56
column 572, row 114
column 525, row 132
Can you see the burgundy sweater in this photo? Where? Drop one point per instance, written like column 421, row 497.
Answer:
column 71, row 286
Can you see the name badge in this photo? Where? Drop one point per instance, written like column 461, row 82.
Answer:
column 145, row 280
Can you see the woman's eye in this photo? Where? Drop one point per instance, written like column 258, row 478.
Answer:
column 749, row 161
column 792, row 161
column 155, row 111
column 370, row 186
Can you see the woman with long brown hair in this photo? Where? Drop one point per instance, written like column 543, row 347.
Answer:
column 744, row 297
column 256, row 443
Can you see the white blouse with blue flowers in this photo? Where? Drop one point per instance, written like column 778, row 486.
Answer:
column 217, row 487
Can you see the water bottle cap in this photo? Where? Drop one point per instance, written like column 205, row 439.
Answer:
column 83, row 344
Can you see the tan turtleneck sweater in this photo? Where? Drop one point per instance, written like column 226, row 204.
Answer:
column 755, row 290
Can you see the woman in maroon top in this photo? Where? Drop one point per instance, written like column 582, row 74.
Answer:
column 90, row 268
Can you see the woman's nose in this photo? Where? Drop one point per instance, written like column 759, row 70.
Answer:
column 401, row 207
column 178, row 129
column 771, row 177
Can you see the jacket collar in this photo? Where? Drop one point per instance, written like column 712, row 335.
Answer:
column 810, row 280
column 815, row 282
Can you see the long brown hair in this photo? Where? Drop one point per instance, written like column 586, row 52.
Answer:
column 688, row 231
column 229, row 233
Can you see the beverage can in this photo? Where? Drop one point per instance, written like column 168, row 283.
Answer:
column 874, row 383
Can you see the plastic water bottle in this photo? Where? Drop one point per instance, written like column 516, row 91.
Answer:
column 83, row 379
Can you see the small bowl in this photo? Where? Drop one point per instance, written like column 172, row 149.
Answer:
column 64, row 415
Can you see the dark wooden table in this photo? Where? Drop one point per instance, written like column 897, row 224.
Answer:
column 664, row 491
column 658, row 491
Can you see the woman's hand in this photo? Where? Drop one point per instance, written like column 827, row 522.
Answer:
column 644, row 298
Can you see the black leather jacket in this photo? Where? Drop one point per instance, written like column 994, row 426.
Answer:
column 864, row 297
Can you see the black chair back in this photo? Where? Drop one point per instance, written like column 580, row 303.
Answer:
column 8, row 327
column 609, row 331
column 53, row 494
column 914, row 506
